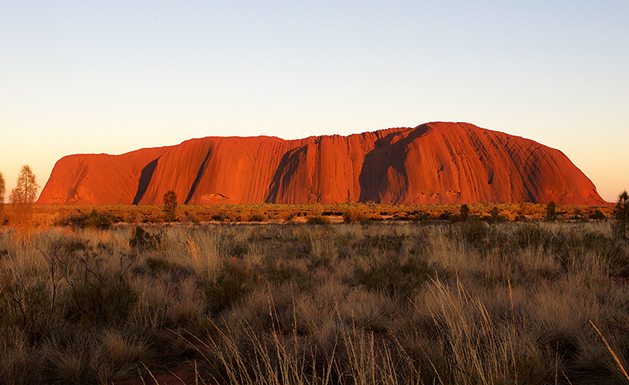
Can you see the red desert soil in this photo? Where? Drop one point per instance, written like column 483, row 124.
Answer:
column 432, row 163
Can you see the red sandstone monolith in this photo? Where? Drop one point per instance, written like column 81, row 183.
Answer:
column 432, row 163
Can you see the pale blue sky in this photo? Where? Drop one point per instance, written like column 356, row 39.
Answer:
column 115, row 76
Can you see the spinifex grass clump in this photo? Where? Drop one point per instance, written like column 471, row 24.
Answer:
column 389, row 303
column 142, row 240
column 390, row 274
column 233, row 281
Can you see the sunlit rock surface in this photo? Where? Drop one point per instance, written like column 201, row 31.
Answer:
column 432, row 163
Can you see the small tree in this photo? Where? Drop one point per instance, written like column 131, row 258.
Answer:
column 622, row 214
column 22, row 197
column 170, row 206
column 2, row 191
column 465, row 212
column 551, row 214
column 495, row 213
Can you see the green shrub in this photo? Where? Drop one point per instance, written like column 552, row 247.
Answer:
column 351, row 216
column 445, row 216
column 97, row 221
column 259, row 218
column 192, row 218
column 317, row 220
column 597, row 215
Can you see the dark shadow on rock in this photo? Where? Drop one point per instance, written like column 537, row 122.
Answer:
column 285, row 171
column 198, row 178
column 384, row 156
column 145, row 180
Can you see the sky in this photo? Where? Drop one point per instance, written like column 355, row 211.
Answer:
column 115, row 76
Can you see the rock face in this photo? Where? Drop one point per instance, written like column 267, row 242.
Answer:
column 432, row 163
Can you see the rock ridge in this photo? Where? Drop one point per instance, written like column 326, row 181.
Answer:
column 438, row 162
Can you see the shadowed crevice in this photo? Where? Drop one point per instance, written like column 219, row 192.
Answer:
column 386, row 153
column 145, row 179
column 198, row 178
column 285, row 172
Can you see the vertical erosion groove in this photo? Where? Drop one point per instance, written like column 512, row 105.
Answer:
column 145, row 179
column 198, row 178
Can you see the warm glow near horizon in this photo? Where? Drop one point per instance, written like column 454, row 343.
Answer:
column 113, row 77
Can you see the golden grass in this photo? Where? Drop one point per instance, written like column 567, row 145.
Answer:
column 616, row 359
column 366, row 303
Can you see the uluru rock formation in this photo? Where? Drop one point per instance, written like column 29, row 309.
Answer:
column 431, row 163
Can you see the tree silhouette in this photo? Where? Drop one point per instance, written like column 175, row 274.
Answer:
column 465, row 212
column 2, row 191
column 622, row 214
column 170, row 205
column 495, row 213
column 22, row 197
column 551, row 214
